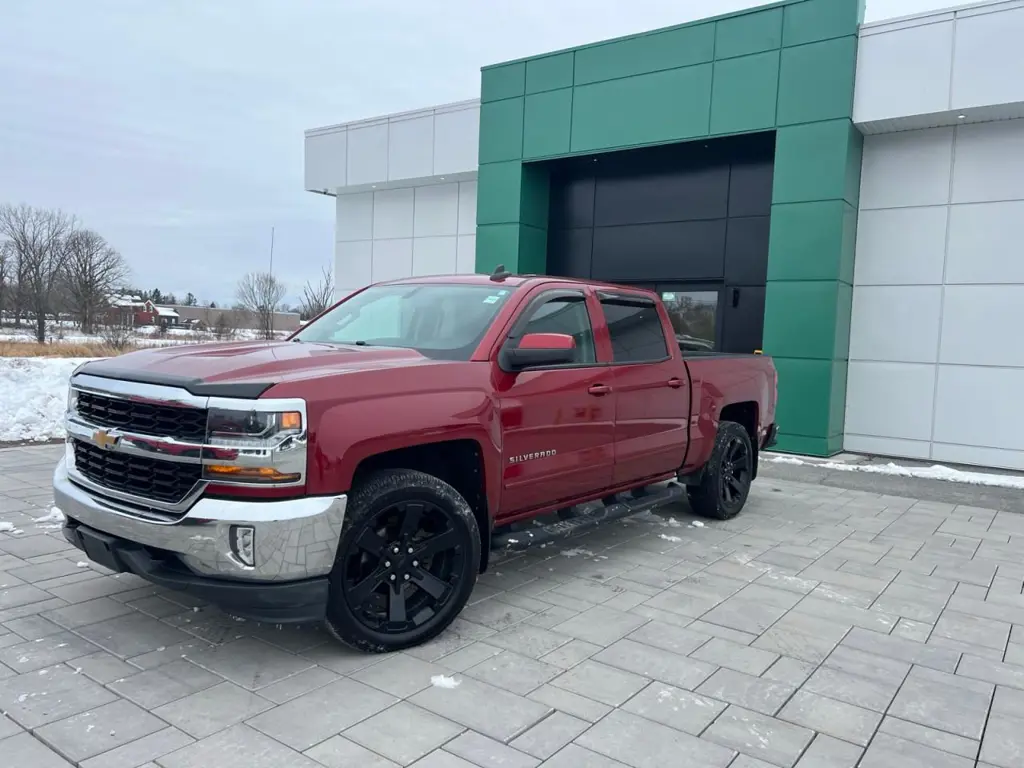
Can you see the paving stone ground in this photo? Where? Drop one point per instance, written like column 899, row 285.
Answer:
column 824, row 628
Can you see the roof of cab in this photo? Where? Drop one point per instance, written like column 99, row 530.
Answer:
column 513, row 280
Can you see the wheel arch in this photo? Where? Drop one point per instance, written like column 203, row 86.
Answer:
column 745, row 414
column 458, row 462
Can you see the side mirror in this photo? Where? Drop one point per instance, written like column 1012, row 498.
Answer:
column 537, row 349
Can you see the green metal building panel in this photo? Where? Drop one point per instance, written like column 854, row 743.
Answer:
column 787, row 67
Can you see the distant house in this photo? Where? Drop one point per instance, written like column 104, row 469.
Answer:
column 237, row 319
column 165, row 317
column 133, row 311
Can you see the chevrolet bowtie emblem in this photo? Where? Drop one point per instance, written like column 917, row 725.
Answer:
column 105, row 439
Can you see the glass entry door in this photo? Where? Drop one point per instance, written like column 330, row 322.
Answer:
column 696, row 314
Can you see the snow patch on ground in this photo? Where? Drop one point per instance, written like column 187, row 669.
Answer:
column 6, row 527
column 53, row 516
column 576, row 552
column 666, row 537
column 33, row 397
column 443, row 681
column 934, row 472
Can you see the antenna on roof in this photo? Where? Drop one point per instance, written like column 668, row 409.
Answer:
column 500, row 274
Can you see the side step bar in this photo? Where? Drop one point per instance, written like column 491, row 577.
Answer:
column 542, row 534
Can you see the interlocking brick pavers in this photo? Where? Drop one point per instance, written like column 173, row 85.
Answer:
column 825, row 626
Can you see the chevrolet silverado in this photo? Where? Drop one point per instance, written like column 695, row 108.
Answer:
column 360, row 472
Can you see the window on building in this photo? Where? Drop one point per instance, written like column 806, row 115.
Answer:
column 635, row 329
column 568, row 315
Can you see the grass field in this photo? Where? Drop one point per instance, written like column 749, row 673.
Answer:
column 63, row 349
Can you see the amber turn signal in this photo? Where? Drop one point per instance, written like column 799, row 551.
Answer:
column 291, row 420
column 265, row 474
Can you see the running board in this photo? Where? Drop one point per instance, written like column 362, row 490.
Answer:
column 543, row 534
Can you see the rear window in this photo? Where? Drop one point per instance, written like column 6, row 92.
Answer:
column 635, row 328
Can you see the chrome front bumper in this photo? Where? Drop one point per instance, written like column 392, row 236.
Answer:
column 294, row 538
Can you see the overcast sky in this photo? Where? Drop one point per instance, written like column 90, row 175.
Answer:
column 175, row 127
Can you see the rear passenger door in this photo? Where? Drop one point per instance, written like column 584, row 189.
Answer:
column 652, row 398
column 557, row 422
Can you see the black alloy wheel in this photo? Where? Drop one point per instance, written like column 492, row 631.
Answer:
column 725, row 482
column 736, row 471
column 402, row 570
column 406, row 563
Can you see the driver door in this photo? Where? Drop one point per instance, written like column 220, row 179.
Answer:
column 557, row 422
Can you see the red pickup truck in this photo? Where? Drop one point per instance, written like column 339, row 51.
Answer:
column 362, row 471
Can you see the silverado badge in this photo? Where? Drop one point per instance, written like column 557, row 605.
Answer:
column 530, row 456
column 105, row 439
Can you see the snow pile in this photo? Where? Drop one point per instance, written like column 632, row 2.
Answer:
column 33, row 397
column 934, row 472
column 576, row 552
column 443, row 681
column 53, row 516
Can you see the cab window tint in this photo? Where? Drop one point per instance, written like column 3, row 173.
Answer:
column 568, row 315
column 635, row 329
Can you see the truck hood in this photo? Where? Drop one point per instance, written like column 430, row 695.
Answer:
column 246, row 369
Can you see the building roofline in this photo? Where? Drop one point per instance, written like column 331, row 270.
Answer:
column 453, row 106
column 924, row 17
column 645, row 33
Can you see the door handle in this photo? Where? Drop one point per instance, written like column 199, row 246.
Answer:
column 599, row 389
column 675, row 383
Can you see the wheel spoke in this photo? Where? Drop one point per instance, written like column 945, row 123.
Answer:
column 411, row 521
column 443, row 541
column 361, row 592
column 396, row 605
column 429, row 583
column 735, row 450
column 370, row 542
column 735, row 486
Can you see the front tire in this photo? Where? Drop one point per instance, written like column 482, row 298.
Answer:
column 725, row 486
column 406, row 564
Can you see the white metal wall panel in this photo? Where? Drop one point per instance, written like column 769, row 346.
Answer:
column 988, row 61
column 936, row 363
column 411, row 231
column 456, row 140
column 923, row 57
column 946, row 67
column 411, row 148
column 367, row 154
column 426, row 145
column 325, row 160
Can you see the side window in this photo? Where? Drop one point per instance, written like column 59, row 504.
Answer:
column 564, row 314
column 635, row 329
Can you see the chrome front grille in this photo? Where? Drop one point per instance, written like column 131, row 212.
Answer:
column 169, row 482
column 143, row 448
column 180, row 423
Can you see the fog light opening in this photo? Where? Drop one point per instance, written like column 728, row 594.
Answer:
column 243, row 544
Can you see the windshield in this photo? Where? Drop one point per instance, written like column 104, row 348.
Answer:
column 439, row 320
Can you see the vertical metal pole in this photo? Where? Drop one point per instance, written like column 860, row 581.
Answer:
column 273, row 310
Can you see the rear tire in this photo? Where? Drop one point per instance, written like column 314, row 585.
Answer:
column 406, row 564
column 723, row 490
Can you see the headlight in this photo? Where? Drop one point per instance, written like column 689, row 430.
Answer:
column 255, row 446
column 256, row 429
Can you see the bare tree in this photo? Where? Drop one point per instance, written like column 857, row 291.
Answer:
column 224, row 329
column 93, row 272
column 118, row 336
column 40, row 239
column 260, row 293
column 316, row 298
column 7, row 259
